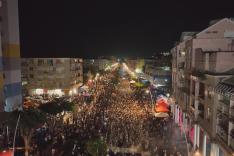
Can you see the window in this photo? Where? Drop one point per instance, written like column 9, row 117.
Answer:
column 31, row 61
column 182, row 53
column 31, row 76
column 40, row 62
column 50, row 62
column 209, row 92
column 58, row 61
column 31, row 68
column 202, row 90
column 208, row 113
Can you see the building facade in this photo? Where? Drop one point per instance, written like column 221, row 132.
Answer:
column 10, row 77
column 224, row 98
column 200, row 61
column 52, row 76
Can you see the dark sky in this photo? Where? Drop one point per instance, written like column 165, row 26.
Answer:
column 90, row 28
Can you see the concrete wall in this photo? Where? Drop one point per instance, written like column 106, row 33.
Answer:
column 225, row 61
column 217, row 30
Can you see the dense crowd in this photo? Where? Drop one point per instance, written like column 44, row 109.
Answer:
column 117, row 114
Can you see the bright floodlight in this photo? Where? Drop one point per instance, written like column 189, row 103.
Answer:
column 197, row 153
column 138, row 70
column 74, row 91
column 147, row 91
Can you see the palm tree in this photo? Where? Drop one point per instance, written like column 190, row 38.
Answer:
column 30, row 119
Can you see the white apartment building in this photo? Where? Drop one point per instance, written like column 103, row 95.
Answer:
column 58, row 76
column 200, row 61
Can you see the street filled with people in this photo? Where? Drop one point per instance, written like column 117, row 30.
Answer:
column 119, row 116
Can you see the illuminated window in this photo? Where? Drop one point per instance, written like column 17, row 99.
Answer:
column 50, row 62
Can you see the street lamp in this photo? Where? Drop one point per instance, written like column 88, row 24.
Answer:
column 16, row 127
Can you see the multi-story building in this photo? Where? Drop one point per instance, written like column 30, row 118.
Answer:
column 200, row 61
column 10, row 76
column 224, row 108
column 52, row 76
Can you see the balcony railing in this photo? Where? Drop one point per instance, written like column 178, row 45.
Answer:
column 225, row 101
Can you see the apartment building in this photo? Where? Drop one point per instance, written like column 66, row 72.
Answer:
column 51, row 76
column 10, row 76
column 224, row 98
column 200, row 61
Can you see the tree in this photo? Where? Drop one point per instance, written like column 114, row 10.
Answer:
column 56, row 107
column 29, row 120
column 96, row 147
column 52, row 109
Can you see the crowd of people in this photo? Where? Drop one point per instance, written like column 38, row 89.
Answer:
column 120, row 116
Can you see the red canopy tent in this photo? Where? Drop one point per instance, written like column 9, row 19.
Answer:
column 6, row 153
column 160, row 100
column 161, row 109
column 161, row 106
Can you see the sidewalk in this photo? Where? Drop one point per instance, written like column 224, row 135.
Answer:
column 169, row 139
column 179, row 140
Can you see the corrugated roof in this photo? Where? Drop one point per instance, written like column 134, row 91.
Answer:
column 226, row 87
column 229, row 81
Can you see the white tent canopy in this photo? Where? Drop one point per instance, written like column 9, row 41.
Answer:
column 161, row 115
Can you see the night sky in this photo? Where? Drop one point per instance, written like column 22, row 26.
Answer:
column 88, row 28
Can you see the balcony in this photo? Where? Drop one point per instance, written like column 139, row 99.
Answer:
column 225, row 101
column 181, row 65
column 201, row 75
column 222, row 130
